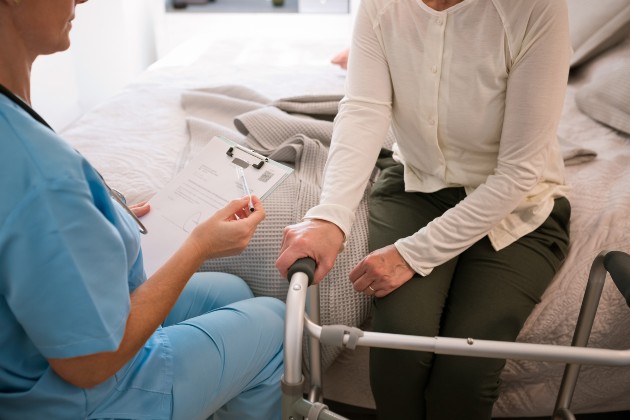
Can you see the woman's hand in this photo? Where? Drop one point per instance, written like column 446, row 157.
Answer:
column 341, row 59
column 318, row 239
column 229, row 230
column 381, row 272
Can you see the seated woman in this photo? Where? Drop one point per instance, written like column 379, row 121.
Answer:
column 83, row 332
column 469, row 217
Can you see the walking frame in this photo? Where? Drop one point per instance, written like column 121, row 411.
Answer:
column 295, row 406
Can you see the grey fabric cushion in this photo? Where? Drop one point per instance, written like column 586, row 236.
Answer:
column 596, row 26
column 607, row 99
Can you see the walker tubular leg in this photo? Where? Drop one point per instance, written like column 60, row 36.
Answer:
column 294, row 405
column 584, row 325
column 316, row 391
column 293, row 380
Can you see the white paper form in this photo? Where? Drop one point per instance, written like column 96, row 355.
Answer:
column 204, row 186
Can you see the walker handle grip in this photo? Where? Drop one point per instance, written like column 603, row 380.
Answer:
column 303, row 265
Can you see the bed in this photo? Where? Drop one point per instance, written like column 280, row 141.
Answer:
column 278, row 95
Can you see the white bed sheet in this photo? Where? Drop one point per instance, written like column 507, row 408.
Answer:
column 138, row 137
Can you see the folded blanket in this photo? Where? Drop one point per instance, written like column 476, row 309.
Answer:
column 574, row 154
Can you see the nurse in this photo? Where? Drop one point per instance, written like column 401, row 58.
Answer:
column 83, row 332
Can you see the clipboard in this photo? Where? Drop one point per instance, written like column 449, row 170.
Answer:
column 205, row 185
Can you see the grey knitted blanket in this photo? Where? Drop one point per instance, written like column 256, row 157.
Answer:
column 286, row 131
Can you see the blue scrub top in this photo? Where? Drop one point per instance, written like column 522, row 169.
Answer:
column 69, row 258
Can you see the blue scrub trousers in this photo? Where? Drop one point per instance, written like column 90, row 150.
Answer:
column 227, row 351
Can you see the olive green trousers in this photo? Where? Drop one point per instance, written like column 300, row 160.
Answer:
column 482, row 293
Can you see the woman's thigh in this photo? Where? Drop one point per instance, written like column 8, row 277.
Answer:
column 492, row 294
column 395, row 213
column 416, row 307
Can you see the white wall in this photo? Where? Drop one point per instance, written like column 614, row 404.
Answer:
column 112, row 42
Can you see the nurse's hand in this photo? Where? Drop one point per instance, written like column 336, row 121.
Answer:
column 140, row 209
column 229, row 230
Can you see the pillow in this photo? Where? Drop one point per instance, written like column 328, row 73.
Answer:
column 607, row 99
column 596, row 26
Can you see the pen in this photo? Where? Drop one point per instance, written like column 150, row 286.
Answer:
column 246, row 188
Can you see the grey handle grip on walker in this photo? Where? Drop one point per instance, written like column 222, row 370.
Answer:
column 617, row 263
column 303, row 265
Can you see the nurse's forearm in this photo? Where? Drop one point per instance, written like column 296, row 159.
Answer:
column 223, row 234
column 150, row 304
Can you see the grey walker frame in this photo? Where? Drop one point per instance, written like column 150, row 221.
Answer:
column 296, row 407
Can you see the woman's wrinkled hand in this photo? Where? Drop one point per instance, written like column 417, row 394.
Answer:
column 318, row 239
column 381, row 272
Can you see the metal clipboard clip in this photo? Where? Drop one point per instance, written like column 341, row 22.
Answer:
column 244, row 163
